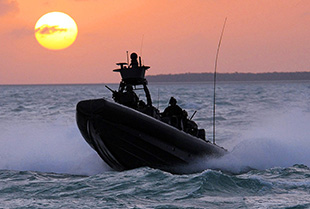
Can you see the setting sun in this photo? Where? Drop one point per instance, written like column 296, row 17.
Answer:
column 56, row 30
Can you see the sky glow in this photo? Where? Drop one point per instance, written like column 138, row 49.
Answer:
column 174, row 36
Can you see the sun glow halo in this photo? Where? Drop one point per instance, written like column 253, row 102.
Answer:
column 56, row 30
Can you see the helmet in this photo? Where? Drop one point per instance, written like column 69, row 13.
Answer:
column 134, row 56
column 172, row 101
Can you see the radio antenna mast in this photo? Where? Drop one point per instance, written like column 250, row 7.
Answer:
column 141, row 45
column 127, row 57
column 214, row 81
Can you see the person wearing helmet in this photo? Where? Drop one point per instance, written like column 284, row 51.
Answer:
column 175, row 114
column 173, row 109
column 129, row 97
column 134, row 60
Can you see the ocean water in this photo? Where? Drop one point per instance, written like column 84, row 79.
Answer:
column 45, row 162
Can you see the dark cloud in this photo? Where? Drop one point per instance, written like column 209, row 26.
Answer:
column 7, row 7
column 49, row 30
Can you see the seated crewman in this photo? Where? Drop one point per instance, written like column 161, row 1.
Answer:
column 173, row 109
column 175, row 114
column 129, row 97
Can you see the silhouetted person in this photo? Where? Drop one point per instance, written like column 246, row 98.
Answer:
column 174, row 113
column 129, row 97
column 134, row 60
column 173, row 109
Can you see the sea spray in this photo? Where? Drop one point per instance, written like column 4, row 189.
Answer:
column 275, row 141
column 260, row 112
column 47, row 147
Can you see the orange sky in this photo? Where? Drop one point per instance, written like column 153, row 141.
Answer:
column 179, row 36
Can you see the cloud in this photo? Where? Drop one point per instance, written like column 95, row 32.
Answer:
column 22, row 32
column 7, row 7
column 306, row 14
column 49, row 29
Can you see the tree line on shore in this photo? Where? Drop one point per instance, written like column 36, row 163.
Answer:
column 207, row 77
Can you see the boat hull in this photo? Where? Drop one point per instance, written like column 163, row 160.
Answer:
column 127, row 139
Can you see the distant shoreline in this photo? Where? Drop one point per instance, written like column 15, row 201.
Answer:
column 202, row 78
column 208, row 77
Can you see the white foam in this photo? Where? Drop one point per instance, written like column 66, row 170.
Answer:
column 47, row 147
column 279, row 140
column 275, row 141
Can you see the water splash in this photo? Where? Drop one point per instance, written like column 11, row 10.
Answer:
column 47, row 147
column 275, row 141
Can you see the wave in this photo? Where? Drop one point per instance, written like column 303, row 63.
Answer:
column 151, row 188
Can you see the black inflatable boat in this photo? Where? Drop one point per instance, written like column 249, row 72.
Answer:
column 128, row 133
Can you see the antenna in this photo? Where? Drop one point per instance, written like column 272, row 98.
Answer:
column 141, row 45
column 127, row 58
column 214, row 81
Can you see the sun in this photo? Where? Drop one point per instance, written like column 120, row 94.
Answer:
column 56, row 30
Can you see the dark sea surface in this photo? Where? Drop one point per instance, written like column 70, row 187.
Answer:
column 45, row 162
